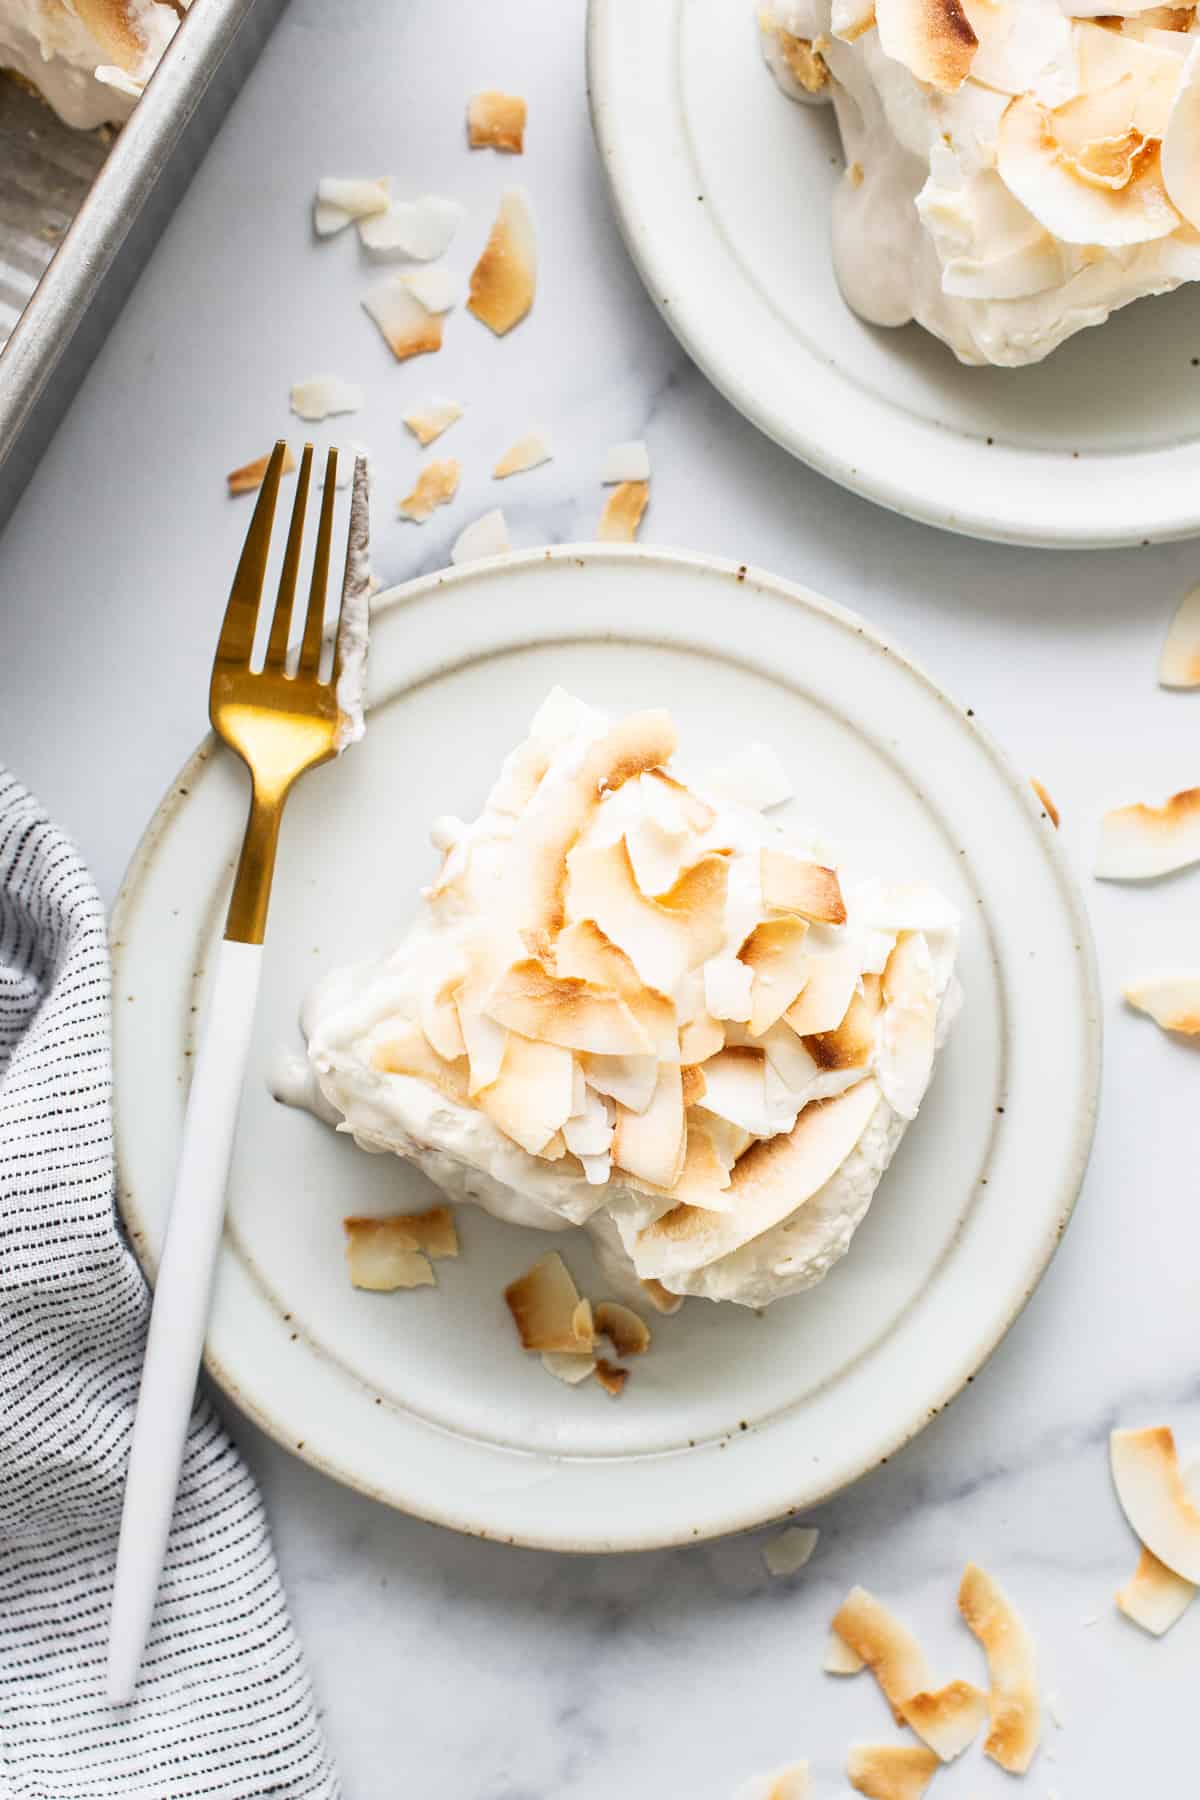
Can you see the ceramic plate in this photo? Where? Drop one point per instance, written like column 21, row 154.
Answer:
column 723, row 188
column 424, row 1399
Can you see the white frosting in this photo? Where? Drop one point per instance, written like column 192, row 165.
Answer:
column 47, row 43
column 468, row 912
column 928, row 223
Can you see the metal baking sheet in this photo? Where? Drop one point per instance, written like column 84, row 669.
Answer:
column 80, row 212
column 48, row 169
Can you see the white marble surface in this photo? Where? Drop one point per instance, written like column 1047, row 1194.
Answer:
column 448, row 1668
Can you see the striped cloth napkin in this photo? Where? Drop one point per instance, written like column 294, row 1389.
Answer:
column 224, row 1705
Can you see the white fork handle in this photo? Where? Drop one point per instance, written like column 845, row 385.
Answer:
column 181, row 1302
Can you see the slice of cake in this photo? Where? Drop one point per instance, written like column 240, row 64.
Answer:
column 635, row 1004
column 1015, row 169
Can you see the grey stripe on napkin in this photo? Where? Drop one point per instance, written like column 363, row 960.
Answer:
column 224, row 1705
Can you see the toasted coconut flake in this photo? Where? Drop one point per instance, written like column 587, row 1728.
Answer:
column 588, row 1132
column 663, row 938
column 1015, row 1708
column 435, row 486
column 329, row 220
column 505, row 277
column 1047, row 802
column 408, row 1052
column 384, row 1254
column 1179, row 666
column 634, row 746
column 652, row 1144
column 358, row 199
column 568, row 1366
column 932, row 38
column 628, row 1334
column 629, row 1080
column 661, row 1298
column 700, row 1038
column 545, row 1306
column 905, row 906
column 806, row 888
column 496, row 122
column 851, row 18
column 581, row 950
column 484, row 1038
column 322, row 395
column 949, row 1719
column 623, row 513
column 728, row 988
column 657, row 850
column 851, row 1044
column 770, row 1181
column 611, row 1378
column 789, row 1783
column 804, row 63
column 696, row 812
column 840, row 1659
column 1155, row 1597
column 420, row 230
column 791, row 1550
column 705, row 1177
column 428, row 422
column 777, row 955
column 754, row 778
column 891, row 1771
column 249, row 478
column 406, row 327
column 625, row 462
column 826, row 995
column 789, row 1058
column 487, row 536
column 433, row 1231
column 1138, row 843
column 1155, row 1499
column 1172, row 1001
column 1063, row 194
column 440, row 1021
column 908, row 1029
column 695, row 1086
column 735, row 1088
column 530, row 1100
column 434, row 287
column 528, row 452
column 887, row 1647
column 565, row 1010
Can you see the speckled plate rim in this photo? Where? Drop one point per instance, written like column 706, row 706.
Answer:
column 801, row 1490
column 795, row 392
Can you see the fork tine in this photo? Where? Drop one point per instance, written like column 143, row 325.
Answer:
column 281, row 618
column 241, row 615
column 314, row 619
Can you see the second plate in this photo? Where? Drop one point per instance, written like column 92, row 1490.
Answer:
column 723, row 189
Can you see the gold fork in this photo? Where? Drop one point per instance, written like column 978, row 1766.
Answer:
column 281, row 722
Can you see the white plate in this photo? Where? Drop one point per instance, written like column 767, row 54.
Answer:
column 723, row 188
column 424, row 1399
